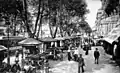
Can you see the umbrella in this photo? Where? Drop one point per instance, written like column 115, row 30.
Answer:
column 2, row 48
column 29, row 42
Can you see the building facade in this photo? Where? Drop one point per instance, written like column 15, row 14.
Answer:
column 105, row 23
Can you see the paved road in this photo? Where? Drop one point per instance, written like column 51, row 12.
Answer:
column 105, row 65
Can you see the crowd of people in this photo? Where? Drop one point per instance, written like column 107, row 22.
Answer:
column 75, row 55
column 27, row 66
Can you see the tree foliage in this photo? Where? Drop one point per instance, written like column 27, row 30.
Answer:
column 58, row 12
column 76, row 7
column 62, row 11
column 11, row 10
column 111, row 6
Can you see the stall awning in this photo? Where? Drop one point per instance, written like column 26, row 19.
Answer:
column 2, row 48
column 69, row 37
column 29, row 42
column 11, row 38
column 113, row 35
column 47, row 39
column 60, row 38
column 15, row 48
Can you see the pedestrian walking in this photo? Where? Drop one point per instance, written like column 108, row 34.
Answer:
column 81, row 64
column 75, row 54
column 69, row 52
column 69, row 55
column 96, row 56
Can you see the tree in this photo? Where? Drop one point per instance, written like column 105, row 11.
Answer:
column 58, row 12
column 11, row 11
column 65, row 10
column 111, row 6
column 85, row 26
column 40, row 11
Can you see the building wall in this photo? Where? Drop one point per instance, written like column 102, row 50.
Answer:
column 105, row 24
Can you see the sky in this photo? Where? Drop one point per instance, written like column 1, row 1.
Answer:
column 93, row 6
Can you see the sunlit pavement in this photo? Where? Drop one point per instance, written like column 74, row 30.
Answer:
column 105, row 64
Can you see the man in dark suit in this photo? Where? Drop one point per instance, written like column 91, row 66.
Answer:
column 16, row 67
column 96, row 56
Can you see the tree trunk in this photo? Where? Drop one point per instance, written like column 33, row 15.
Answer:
column 61, row 31
column 40, row 23
column 54, row 35
column 52, row 32
column 50, row 27
column 37, row 19
column 69, row 34
column 14, row 24
column 72, row 32
column 26, row 20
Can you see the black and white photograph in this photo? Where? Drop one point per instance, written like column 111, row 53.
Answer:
column 59, row 36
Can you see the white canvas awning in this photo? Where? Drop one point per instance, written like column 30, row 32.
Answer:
column 29, row 41
column 113, row 35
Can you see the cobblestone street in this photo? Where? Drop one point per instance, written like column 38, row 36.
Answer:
column 105, row 65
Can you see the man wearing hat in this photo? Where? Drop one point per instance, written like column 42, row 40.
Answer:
column 81, row 63
column 96, row 55
column 16, row 67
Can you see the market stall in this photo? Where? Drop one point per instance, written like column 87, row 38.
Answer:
column 50, row 46
column 30, row 50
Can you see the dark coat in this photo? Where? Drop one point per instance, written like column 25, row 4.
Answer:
column 80, row 61
column 96, row 54
column 16, row 67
